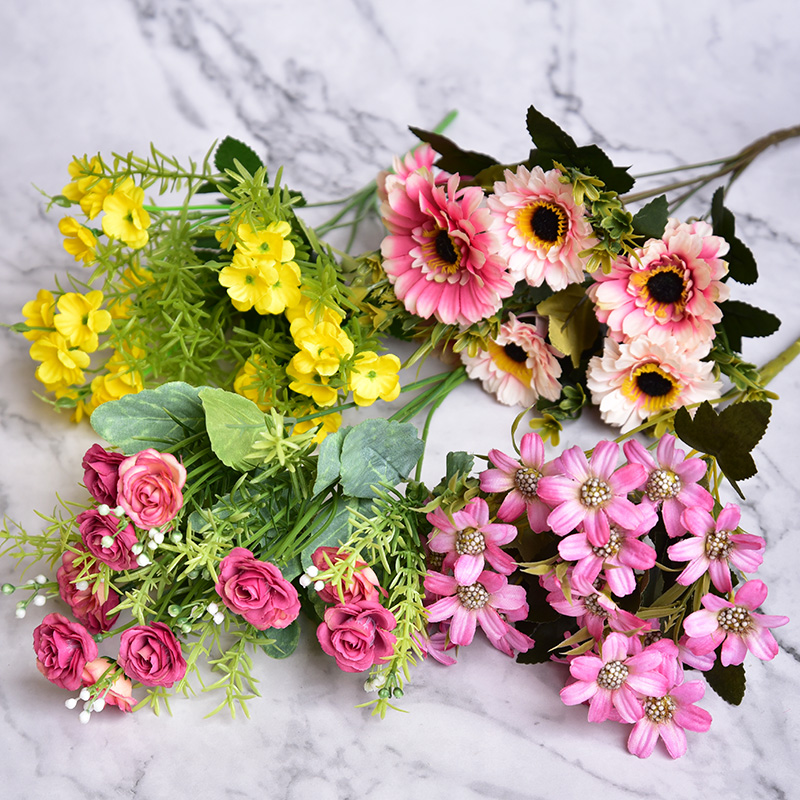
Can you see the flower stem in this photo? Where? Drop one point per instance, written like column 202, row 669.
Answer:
column 772, row 368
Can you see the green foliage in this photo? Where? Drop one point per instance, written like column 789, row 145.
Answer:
column 281, row 642
column 728, row 682
column 453, row 158
column 741, row 262
column 234, row 424
column 230, row 151
column 651, row 220
column 572, row 324
column 743, row 320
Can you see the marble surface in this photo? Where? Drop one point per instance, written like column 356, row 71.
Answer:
column 327, row 89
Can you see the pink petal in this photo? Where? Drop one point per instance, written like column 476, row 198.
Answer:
column 537, row 516
column 762, row 644
column 531, row 450
column 438, row 583
column 462, row 628
column 701, row 623
column 674, row 738
column 468, row 568
column 604, row 459
column 443, row 609
column 720, row 574
column 628, row 479
column 578, row 692
column 600, row 705
column 729, row 518
column 615, row 648
column 585, row 668
column 643, row 738
column 734, row 650
column 557, row 489
column 496, row 480
column 595, row 525
column 751, row 594
column 566, row 517
column 698, row 521
column 512, row 506
column 574, row 463
column 630, row 709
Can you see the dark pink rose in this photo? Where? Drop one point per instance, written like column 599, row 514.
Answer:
column 257, row 591
column 101, row 474
column 149, row 488
column 151, row 655
column 120, row 691
column 62, row 650
column 94, row 527
column 357, row 635
column 92, row 606
column 363, row 587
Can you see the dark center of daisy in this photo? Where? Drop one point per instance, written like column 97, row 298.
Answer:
column 515, row 353
column 546, row 223
column 653, row 384
column 445, row 248
column 665, row 287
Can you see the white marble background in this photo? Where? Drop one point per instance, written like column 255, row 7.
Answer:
column 327, row 89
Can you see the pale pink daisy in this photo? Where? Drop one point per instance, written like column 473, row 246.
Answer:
column 469, row 540
column 591, row 493
column 421, row 157
column 667, row 717
column 541, row 227
column 521, row 480
column 612, row 680
column 714, row 545
column 512, row 641
column 633, row 380
column 439, row 254
column 519, row 367
column 480, row 603
column 672, row 481
column 734, row 625
column 669, row 289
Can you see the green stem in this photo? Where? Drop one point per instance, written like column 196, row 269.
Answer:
column 772, row 368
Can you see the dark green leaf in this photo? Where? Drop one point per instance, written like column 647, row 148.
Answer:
column 453, row 158
column 546, row 135
column 231, row 150
column 592, row 159
column 743, row 320
column 458, row 463
column 651, row 220
column 728, row 682
column 741, row 263
column 338, row 530
column 281, row 642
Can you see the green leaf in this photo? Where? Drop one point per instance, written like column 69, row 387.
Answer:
column 330, row 452
column 231, row 150
column 572, row 324
column 651, row 220
column 156, row 418
column 728, row 682
column 338, row 530
column 546, row 135
column 743, row 320
column 280, row 642
column 378, row 451
column 233, row 423
column 458, row 463
column 594, row 160
column 741, row 262
column 453, row 158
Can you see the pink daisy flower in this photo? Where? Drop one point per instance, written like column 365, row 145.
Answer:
column 734, row 625
column 439, row 254
column 668, row 717
column 714, row 545
column 541, row 227
column 479, row 603
column 469, row 540
column 669, row 289
column 591, row 493
column 671, row 481
column 612, row 680
column 633, row 380
column 512, row 641
column 421, row 157
column 521, row 480
column 519, row 367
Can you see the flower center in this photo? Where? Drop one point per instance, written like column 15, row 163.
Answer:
column 651, row 387
column 526, row 479
column 473, row 596
column 512, row 359
column 441, row 254
column 515, row 353
column 734, row 620
column 663, row 484
column 719, row 545
column 543, row 223
column 664, row 288
column 470, row 542
column 612, row 675
column 659, row 709
column 595, row 493
column 611, row 547
column 593, row 607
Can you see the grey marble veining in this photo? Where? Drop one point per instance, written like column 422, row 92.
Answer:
column 326, row 89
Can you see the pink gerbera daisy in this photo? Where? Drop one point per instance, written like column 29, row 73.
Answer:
column 541, row 227
column 633, row 380
column 421, row 157
column 519, row 367
column 670, row 288
column 439, row 254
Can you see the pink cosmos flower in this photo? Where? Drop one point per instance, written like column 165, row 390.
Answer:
column 521, row 480
column 669, row 289
column 671, row 481
column 591, row 493
column 668, row 717
column 735, row 625
column 439, row 254
column 714, row 545
column 519, row 367
column 687, row 656
column 469, row 540
column 93, row 606
column 541, row 227
column 151, row 655
column 635, row 379
column 149, row 488
column 357, row 635
column 63, row 649
column 512, row 641
column 613, row 679
column 479, row 603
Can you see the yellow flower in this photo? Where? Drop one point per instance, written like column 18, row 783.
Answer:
column 87, row 187
column 113, row 385
column 373, row 376
column 303, row 309
column 312, row 385
column 82, row 407
column 247, row 281
column 80, row 242
column 125, row 218
column 322, row 347
column 269, row 242
column 80, row 319
column 249, row 383
column 61, row 365
column 39, row 314
column 285, row 291
column 329, row 423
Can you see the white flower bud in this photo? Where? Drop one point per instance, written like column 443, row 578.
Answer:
column 85, row 694
column 319, row 585
column 143, row 561
column 312, row 571
column 84, row 717
column 212, row 608
column 99, row 705
column 305, row 581
column 137, row 548
column 20, row 613
column 40, row 579
column 103, row 510
column 153, row 544
column 219, row 618
column 71, row 703
column 119, row 512
column 82, row 586
column 39, row 600
column 107, row 541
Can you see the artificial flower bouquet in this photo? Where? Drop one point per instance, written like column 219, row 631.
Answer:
column 215, row 345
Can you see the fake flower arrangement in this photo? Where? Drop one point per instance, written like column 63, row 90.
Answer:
column 224, row 339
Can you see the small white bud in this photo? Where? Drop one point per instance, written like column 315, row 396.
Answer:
column 143, row 561
column 40, row 579
column 39, row 600
column 312, row 571
column 319, row 585
column 153, row 532
column 71, row 703
column 137, row 548
column 219, row 618
column 85, row 694
column 212, row 608
column 176, row 537
column 152, row 544
column 159, row 538
column 20, row 613
column 119, row 512
column 99, row 705
column 103, row 510
column 107, row 541
column 84, row 717
column 82, row 586
column 305, row 581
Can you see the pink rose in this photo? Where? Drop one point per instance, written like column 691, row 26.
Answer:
column 92, row 606
column 62, row 650
column 119, row 693
column 149, row 488
column 94, row 527
column 257, row 591
column 357, row 635
column 363, row 587
column 151, row 655
column 101, row 474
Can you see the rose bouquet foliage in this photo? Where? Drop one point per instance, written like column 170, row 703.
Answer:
column 226, row 338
